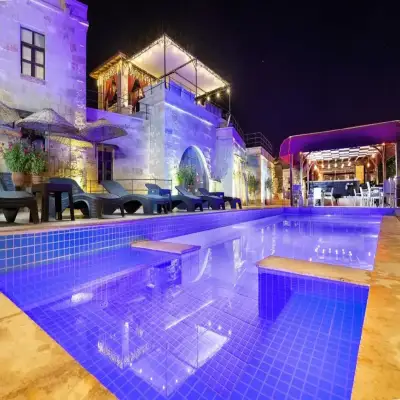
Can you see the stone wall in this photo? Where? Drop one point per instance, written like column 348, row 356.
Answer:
column 132, row 152
column 187, row 124
column 64, row 86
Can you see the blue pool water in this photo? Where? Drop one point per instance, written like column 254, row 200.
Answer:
column 212, row 325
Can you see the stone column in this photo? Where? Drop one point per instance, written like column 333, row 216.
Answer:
column 124, row 93
column 291, row 180
column 100, row 94
column 398, row 168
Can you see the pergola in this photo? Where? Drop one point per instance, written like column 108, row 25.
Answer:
column 164, row 57
column 342, row 145
column 166, row 61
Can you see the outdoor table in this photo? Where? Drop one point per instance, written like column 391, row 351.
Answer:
column 46, row 190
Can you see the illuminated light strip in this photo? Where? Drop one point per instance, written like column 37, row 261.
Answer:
column 188, row 113
column 39, row 3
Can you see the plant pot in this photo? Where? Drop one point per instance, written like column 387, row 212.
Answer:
column 37, row 179
column 190, row 188
column 18, row 179
column 28, row 180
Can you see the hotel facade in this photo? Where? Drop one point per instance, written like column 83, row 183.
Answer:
column 162, row 96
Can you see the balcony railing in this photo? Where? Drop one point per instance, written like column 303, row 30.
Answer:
column 257, row 139
column 122, row 105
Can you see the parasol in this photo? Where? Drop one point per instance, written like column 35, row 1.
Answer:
column 47, row 121
column 7, row 115
column 101, row 131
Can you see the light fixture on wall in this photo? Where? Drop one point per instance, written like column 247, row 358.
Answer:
column 335, row 164
column 218, row 95
column 368, row 164
column 208, row 98
column 228, row 90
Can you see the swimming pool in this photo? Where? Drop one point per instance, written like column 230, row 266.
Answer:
column 149, row 326
column 334, row 239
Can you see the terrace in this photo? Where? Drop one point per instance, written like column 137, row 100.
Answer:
column 355, row 166
column 124, row 81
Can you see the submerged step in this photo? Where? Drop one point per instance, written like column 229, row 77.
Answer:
column 167, row 247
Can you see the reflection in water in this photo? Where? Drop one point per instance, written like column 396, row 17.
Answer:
column 210, row 321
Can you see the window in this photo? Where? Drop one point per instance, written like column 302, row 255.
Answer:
column 32, row 54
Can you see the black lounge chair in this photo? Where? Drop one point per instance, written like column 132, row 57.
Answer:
column 132, row 202
column 91, row 205
column 11, row 201
column 233, row 201
column 188, row 201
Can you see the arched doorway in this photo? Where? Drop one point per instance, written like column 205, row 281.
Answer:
column 193, row 157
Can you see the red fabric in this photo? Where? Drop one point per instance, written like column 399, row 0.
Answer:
column 108, row 94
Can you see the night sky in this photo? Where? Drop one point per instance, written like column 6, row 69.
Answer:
column 293, row 69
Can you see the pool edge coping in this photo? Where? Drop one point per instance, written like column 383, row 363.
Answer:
column 377, row 373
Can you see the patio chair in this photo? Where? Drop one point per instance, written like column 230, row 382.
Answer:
column 329, row 196
column 91, row 205
column 233, row 201
column 132, row 202
column 317, row 197
column 11, row 201
column 190, row 202
column 375, row 195
column 215, row 202
column 358, row 196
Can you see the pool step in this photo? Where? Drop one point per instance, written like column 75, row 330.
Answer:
column 166, row 247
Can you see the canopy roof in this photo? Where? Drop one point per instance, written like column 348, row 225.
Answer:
column 151, row 59
column 341, row 154
column 357, row 136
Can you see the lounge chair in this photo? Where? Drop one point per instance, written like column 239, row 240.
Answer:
column 233, row 201
column 216, row 203
column 11, row 201
column 91, row 205
column 132, row 202
column 188, row 201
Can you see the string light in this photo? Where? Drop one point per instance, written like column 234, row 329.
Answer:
column 218, row 95
column 208, row 98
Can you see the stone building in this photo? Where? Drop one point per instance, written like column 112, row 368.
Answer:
column 163, row 96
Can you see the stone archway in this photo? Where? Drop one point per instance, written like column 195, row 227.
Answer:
column 194, row 157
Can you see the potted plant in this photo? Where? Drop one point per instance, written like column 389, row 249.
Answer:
column 16, row 157
column 268, row 184
column 38, row 165
column 254, row 185
column 186, row 176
